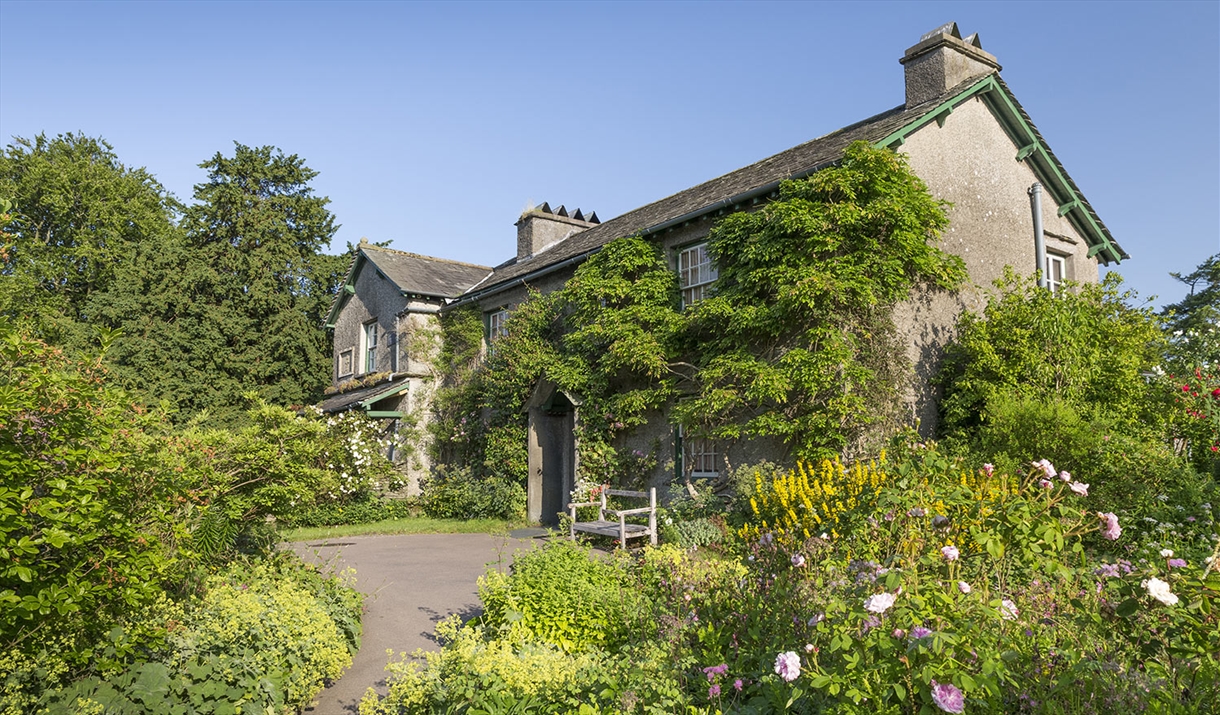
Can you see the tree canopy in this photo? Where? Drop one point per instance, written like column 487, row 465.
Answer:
column 198, row 305
column 79, row 215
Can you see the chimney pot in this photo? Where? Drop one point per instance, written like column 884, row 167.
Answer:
column 540, row 228
column 941, row 61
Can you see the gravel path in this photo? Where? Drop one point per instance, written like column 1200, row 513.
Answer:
column 412, row 582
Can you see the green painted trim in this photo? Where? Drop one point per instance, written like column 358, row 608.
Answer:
column 1073, row 204
column 1088, row 227
column 385, row 413
column 899, row 135
column 941, row 117
column 1004, row 109
column 349, row 289
column 382, row 395
column 1027, row 150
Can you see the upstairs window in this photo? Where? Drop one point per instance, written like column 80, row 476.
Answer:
column 497, row 324
column 370, row 346
column 696, row 273
column 345, row 364
column 1056, row 272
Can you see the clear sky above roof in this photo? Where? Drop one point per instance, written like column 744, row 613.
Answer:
column 434, row 125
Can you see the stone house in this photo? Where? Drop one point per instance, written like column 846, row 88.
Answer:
column 963, row 133
column 383, row 322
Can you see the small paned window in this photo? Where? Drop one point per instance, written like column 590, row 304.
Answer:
column 696, row 273
column 1056, row 272
column 370, row 347
column 497, row 324
column 345, row 363
column 700, row 457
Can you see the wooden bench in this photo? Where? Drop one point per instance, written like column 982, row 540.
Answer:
column 619, row 528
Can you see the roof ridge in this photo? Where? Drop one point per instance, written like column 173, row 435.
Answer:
column 426, row 258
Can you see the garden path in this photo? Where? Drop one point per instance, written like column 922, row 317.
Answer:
column 412, row 582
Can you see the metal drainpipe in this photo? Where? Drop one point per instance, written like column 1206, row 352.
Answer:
column 1035, row 205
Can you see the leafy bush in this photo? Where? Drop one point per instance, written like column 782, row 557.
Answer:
column 365, row 511
column 457, row 494
column 693, row 533
column 1086, row 347
column 87, row 518
column 264, row 636
column 558, row 594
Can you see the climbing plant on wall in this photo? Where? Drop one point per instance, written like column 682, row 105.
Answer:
column 795, row 343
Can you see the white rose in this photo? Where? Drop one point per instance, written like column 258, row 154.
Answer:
column 1159, row 590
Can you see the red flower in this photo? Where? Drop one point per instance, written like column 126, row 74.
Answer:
column 1216, row 393
column 1185, row 388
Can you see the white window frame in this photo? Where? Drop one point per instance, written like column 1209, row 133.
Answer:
column 1054, row 280
column 699, row 452
column 368, row 347
column 695, row 272
column 344, row 360
column 497, row 324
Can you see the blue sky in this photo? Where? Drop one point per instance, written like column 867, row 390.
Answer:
column 434, row 125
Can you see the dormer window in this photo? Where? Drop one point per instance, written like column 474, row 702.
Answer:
column 370, row 347
column 695, row 273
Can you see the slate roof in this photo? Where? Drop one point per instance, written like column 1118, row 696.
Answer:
column 346, row 400
column 425, row 275
column 724, row 191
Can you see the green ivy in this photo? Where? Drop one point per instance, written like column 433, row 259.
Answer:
column 795, row 344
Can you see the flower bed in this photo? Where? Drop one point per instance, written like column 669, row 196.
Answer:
column 943, row 589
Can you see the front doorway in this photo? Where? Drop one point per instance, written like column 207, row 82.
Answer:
column 552, row 453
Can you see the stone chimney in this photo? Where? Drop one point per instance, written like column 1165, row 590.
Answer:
column 941, row 61
column 540, row 228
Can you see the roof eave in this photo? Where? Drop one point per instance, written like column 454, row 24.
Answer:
column 1032, row 148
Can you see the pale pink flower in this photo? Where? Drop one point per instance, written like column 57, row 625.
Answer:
column 989, row 469
column 713, row 691
column 1065, row 476
column 948, row 698
column 963, row 587
column 1112, row 529
column 1047, row 468
column 1009, row 610
column 950, row 553
column 737, row 685
column 798, row 560
column 1044, row 483
column 1080, row 488
column 808, row 647
column 879, row 603
column 788, row 666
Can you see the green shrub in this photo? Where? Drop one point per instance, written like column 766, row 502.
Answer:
column 1126, row 465
column 560, row 595
column 457, row 494
column 88, row 518
column 364, row 511
column 693, row 533
column 265, row 637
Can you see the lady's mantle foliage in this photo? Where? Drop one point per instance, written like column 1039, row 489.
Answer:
column 793, row 344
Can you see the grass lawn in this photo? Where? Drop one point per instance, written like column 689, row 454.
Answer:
column 407, row 525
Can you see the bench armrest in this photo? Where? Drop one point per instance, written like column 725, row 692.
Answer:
column 629, row 512
column 572, row 505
